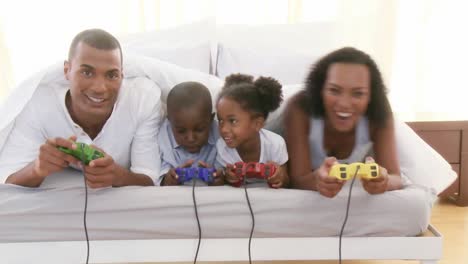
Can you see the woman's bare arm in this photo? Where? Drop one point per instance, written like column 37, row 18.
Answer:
column 296, row 123
column 386, row 153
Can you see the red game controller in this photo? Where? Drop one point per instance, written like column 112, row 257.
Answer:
column 253, row 170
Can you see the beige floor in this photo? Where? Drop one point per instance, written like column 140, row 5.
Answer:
column 449, row 219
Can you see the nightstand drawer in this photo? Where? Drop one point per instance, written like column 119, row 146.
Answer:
column 450, row 139
column 446, row 142
column 453, row 189
column 456, row 168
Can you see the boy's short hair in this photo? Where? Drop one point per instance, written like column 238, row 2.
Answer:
column 189, row 94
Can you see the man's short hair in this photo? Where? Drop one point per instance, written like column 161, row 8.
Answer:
column 96, row 38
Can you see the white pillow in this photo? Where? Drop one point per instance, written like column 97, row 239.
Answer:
column 284, row 52
column 167, row 75
column 275, row 119
column 188, row 46
column 195, row 56
column 421, row 163
column 287, row 67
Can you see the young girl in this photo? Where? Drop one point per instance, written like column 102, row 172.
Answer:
column 242, row 108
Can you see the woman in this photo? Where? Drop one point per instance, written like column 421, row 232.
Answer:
column 345, row 116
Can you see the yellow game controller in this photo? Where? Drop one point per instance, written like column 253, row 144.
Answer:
column 346, row 172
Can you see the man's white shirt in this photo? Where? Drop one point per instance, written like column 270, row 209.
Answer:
column 129, row 135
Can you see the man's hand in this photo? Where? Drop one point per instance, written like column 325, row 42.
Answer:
column 280, row 178
column 51, row 160
column 102, row 172
column 326, row 185
column 171, row 178
column 377, row 185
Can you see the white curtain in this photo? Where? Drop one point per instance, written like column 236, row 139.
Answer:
column 429, row 60
column 5, row 67
column 418, row 44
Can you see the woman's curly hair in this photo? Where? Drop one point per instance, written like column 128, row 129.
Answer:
column 378, row 110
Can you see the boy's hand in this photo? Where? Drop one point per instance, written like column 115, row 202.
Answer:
column 279, row 178
column 218, row 176
column 171, row 178
column 377, row 185
column 230, row 175
column 326, row 185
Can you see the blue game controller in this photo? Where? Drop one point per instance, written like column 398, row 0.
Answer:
column 187, row 174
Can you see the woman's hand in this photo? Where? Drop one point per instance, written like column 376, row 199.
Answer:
column 326, row 185
column 379, row 184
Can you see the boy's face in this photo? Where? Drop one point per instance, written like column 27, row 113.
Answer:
column 191, row 127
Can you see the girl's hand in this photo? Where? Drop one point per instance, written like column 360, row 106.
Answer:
column 279, row 178
column 231, row 177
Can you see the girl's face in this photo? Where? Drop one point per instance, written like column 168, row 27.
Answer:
column 237, row 126
column 346, row 95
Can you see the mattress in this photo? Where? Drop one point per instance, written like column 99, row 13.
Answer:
column 55, row 213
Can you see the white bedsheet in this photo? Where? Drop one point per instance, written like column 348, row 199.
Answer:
column 56, row 214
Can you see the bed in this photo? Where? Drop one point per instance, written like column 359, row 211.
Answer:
column 151, row 224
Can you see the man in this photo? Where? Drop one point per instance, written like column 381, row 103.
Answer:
column 118, row 116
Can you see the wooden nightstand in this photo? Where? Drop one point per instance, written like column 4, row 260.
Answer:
column 450, row 139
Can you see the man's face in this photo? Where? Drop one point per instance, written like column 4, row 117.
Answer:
column 95, row 77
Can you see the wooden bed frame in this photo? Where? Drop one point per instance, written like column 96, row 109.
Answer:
column 426, row 248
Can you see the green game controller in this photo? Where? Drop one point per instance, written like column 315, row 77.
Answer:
column 83, row 152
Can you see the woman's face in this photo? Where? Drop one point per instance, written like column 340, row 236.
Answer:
column 346, row 95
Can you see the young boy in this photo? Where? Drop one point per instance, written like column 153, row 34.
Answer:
column 188, row 136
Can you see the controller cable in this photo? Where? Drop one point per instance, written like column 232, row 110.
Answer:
column 347, row 211
column 198, row 220
column 252, row 215
column 85, row 205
